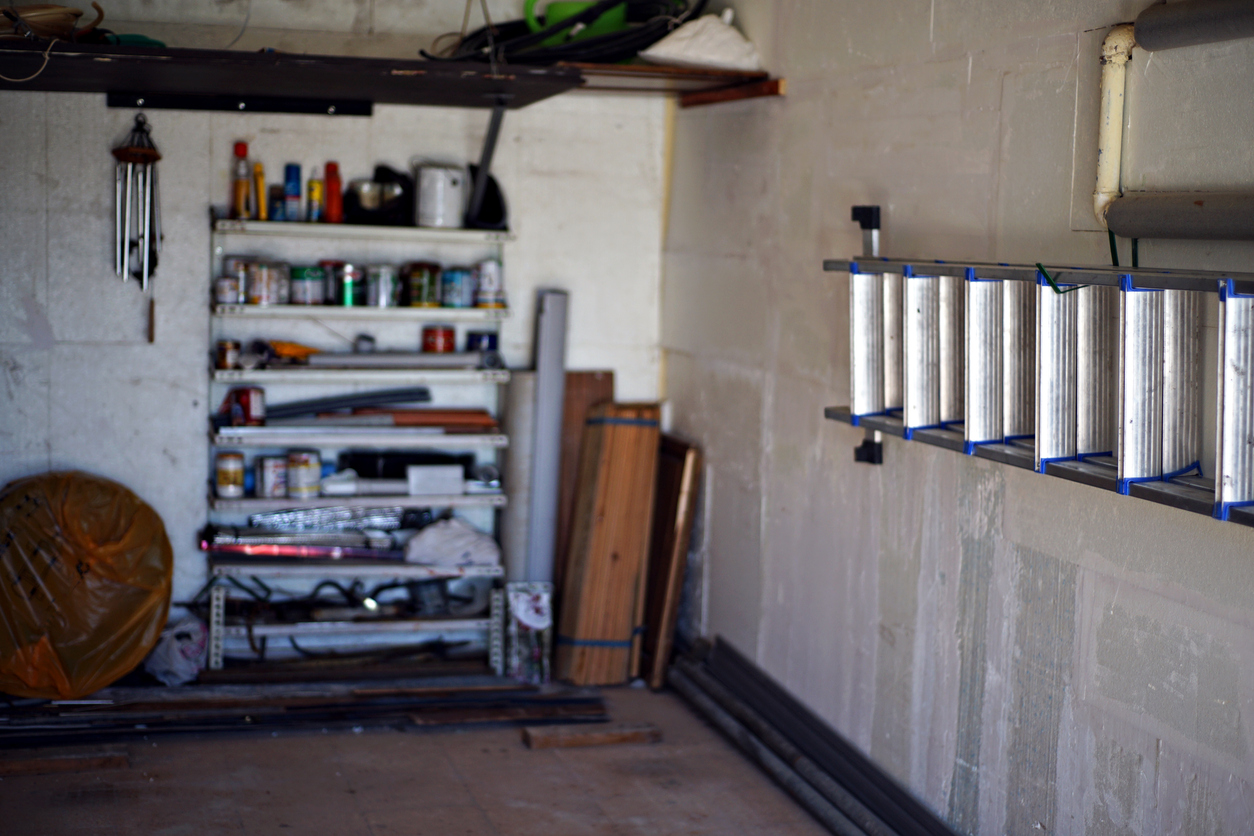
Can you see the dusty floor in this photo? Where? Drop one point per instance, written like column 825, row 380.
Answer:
column 382, row 782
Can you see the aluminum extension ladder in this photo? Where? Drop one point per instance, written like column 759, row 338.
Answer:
column 1084, row 365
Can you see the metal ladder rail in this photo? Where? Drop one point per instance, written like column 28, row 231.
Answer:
column 1097, row 370
column 866, row 344
column 1234, row 436
column 1159, row 400
column 985, row 414
column 1018, row 366
column 1055, row 423
column 920, row 344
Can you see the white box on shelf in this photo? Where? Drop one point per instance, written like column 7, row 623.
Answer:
column 426, row 479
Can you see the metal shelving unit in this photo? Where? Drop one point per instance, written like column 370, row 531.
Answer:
column 310, row 323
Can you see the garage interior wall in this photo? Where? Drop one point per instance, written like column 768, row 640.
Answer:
column 1024, row 653
column 80, row 387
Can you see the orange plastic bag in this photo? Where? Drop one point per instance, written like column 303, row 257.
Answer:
column 85, row 576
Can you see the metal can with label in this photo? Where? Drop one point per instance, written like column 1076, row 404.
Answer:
column 441, row 195
column 347, row 285
column 421, row 282
column 381, row 286
column 229, row 475
column 308, row 285
column 228, row 354
column 271, row 478
column 228, row 290
column 265, row 283
column 304, row 474
column 247, row 406
column 457, row 287
column 439, row 339
column 489, row 285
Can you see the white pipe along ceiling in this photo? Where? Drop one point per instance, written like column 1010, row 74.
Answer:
column 1194, row 215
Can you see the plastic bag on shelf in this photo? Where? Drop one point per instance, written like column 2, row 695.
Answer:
column 452, row 542
column 86, row 568
column 180, row 654
column 709, row 42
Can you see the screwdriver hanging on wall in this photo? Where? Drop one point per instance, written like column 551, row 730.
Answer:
column 871, row 450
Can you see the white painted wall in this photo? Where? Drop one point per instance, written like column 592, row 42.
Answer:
column 1026, row 654
column 583, row 176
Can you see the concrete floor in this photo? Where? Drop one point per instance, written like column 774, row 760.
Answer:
column 446, row 782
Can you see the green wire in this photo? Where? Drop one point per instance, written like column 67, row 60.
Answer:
column 1054, row 284
column 1114, row 251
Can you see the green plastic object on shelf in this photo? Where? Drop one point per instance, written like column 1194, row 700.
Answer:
column 612, row 20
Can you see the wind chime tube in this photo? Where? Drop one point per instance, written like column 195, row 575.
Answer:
column 147, row 242
column 126, row 224
column 119, row 243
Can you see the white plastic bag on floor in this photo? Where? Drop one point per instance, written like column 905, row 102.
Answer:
column 709, row 42
column 180, row 652
column 452, row 542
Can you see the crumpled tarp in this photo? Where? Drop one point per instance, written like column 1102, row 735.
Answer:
column 85, row 577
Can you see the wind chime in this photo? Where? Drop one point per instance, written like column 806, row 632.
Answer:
column 138, row 205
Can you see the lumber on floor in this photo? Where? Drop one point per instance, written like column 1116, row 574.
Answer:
column 584, row 390
column 562, row 737
column 49, row 761
column 678, row 473
column 603, row 599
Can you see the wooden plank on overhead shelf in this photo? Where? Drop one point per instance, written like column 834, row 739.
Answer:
column 584, row 390
column 678, row 472
column 752, row 90
column 567, row 737
column 654, row 78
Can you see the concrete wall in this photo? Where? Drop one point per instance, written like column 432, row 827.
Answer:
column 82, row 388
column 1026, row 654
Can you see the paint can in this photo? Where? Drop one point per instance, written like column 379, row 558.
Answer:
column 304, row 474
column 489, row 285
column 308, row 285
column 227, row 354
column 229, row 475
column 381, row 286
column 228, row 290
column 481, row 341
column 457, row 287
column 441, row 194
column 439, row 339
column 347, row 285
column 421, row 281
column 267, row 282
column 247, row 406
column 271, row 478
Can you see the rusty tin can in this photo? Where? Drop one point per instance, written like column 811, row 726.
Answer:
column 439, row 339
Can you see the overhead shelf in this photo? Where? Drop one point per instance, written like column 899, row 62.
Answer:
column 361, row 232
column 485, row 315
column 221, row 567
column 264, row 506
column 394, row 438
column 208, row 79
column 375, row 376
column 693, row 86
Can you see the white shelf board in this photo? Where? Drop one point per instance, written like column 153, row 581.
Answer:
column 346, row 569
column 399, row 438
column 265, row 505
column 345, row 628
column 486, row 316
column 343, row 376
column 360, row 232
